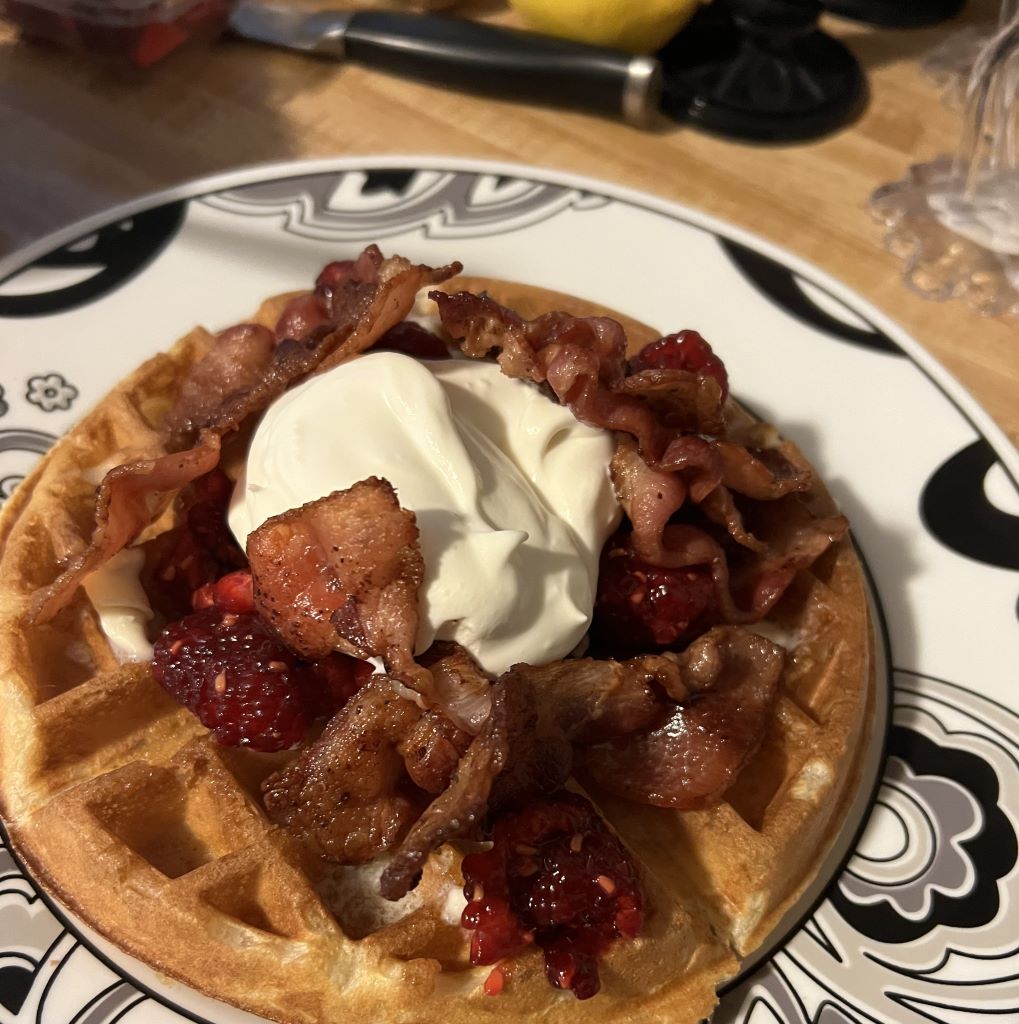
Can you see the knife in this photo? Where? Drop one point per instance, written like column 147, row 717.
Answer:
column 467, row 55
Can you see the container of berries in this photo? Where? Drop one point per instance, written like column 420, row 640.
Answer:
column 143, row 31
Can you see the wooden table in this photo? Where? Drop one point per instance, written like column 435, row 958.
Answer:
column 77, row 137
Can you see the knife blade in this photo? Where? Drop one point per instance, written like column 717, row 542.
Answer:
column 467, row 55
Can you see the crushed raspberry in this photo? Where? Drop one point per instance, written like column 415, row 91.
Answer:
column 640, row 607
column 686, row 350
column 231, row 593
column 413, row 340
column 198, row 551
column 558, row 878
column 243, row 684
column 495, row 982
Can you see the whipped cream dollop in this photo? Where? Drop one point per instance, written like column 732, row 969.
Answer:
column 511, row 492
column 122, row 605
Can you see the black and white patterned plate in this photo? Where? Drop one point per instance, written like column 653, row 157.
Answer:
column 921, row 921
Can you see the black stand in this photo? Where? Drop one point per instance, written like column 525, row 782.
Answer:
column 896, row 13
column 761, row 70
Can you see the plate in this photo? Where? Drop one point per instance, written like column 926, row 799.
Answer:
column 920, row 921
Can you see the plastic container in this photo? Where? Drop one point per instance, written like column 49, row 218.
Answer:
column 144, row 31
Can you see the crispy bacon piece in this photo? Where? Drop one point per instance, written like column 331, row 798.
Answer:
column 691, row 759
column 462, row 690
column 591, row 700
column 786, row 537
column 362, row 304
column 302, row 317
column 432, row 749
column 234, row 365
column 460, row 807
column 131, row 497
column 680, row 398
column 372, row 306
column 577, row 701
column 343, row 573
column 343, row 797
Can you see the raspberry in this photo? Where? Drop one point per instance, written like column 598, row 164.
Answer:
column 641, row 607
column 231, row 593
column 557, row 877
column 243, row 684
column 686, row 350
column 196, row 552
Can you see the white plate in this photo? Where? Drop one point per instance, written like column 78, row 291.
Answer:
column 923, row 921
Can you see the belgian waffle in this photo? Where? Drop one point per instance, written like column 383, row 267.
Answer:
column 126, row 809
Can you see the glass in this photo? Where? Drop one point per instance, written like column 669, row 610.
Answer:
column 955, row 220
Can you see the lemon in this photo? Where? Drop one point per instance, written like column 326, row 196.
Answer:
column 640, row 26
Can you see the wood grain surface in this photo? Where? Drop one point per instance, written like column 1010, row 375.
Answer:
column 77, row 135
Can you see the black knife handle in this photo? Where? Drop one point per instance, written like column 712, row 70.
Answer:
column 516, row 65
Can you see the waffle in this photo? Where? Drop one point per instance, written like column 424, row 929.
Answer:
column 125, row 808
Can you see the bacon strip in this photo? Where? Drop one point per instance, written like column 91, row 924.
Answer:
column 463, row 692
column 343, row 573
column 131, row 497
column 342, row 797
column 234, row 365
column 457, row 810
column 577, row 701
column 691, row 759
column 689, row 401
column 581, row 358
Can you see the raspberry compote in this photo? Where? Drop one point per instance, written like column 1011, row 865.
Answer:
column 557, row 878
column 224, row 664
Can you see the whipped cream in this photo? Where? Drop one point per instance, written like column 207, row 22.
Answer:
column 511, row 493
column 122, row 605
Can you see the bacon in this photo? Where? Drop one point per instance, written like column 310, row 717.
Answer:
column 303, row 316
column 649, row 497
column 343, row 573
column 591, row 699
column 764, row 474
column 583, row 360
column 432, row 750
column 679, row 398
column 342, row 798
column 577, row 701
column 457, row 810
column 795, row 539
column 462, row 690
column 131, row 497
column 369, row 305
column 234, row 365
column 691, row 759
